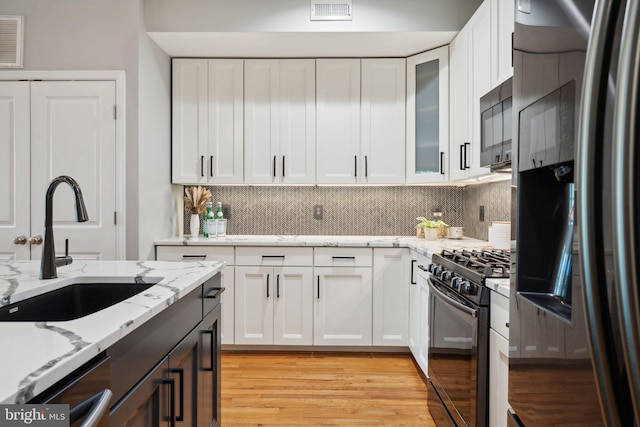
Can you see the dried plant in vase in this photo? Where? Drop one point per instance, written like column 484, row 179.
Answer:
column 195, row 199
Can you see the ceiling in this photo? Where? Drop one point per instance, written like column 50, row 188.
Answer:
column 299, row 44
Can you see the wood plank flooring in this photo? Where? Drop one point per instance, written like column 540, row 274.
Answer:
column 322, row 389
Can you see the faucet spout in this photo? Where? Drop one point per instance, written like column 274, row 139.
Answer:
column 49, row 262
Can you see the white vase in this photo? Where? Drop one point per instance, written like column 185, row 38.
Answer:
column 431, row 233
column 194, row 225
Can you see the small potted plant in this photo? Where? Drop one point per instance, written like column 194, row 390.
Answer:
column 431, row 228
column 195, row 199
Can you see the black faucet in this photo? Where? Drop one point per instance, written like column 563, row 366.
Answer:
column 49, row 262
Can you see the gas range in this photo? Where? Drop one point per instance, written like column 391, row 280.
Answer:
column 464, row 271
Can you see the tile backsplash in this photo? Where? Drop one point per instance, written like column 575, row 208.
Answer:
column 496, row 199
column 364, row 211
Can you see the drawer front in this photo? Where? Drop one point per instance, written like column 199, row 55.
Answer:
column 274, row 256
column 500, row 314
column 343, row 257
column 195, row 253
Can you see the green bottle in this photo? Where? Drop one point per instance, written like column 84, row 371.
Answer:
column 209, row 221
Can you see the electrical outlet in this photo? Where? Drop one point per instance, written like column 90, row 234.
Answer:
column 317, row 212
column 226, row 211
column 481, row 214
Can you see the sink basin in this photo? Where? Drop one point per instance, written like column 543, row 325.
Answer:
column 81, row 297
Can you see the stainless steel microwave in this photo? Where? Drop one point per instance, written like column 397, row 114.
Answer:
column 495, row 127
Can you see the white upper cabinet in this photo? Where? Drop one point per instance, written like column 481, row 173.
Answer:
column 207, row 121
column 502, row 13
column 428, row 116
column 338, row 119
column 461, row 105
column 279, row 121
column 382, row 114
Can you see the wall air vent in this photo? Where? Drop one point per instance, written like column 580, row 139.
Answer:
column 11, row 41
column 331, row 11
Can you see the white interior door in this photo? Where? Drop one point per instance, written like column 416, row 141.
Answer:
column 14, row 169
column 73, row 133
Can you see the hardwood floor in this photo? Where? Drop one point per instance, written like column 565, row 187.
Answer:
column 322, row 389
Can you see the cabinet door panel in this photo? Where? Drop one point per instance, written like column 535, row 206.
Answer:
column 261, row 121
column 74, row 133
column 189, row 121
column 428, row 116
column 293, row 312
column 338, row 120
column 14, row 169
column 342, row 306
column 297, row 161
column 183, row 369
column 390, row 296
column 461, row 107
column 254, row 298
column 209, row 386
column 225, row 122
column 383, row 121
column 498, row 379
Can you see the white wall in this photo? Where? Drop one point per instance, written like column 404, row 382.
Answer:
column 293, row 16
column 108, row 35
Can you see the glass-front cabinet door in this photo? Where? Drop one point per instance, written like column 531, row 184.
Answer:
column 428, row 116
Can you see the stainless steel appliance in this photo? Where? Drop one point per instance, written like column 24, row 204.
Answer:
column 574, row 307
column 495, row 128
column 459, row 334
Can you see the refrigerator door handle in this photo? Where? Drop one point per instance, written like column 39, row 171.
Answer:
column 624, row 210
column 595, row 76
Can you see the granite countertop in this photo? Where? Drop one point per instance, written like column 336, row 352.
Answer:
column 501, row 286
column 36, row 355
column 425, row 247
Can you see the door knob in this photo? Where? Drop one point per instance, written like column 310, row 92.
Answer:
column 20, row 240
column 36, row 240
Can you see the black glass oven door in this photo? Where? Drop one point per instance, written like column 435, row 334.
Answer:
column 453, row 337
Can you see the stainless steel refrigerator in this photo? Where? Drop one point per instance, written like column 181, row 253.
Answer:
column 574, row 331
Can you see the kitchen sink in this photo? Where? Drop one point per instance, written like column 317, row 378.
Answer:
column 79, row 298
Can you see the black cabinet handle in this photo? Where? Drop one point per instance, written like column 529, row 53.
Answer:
column 273, row 256
column 201, row 165
column 211, row 165
column 283, row 166
column 274, row 166
column 506, row 324
column 212, row 347
column 180, row 373
column 214, row 292
column 466, row 155
column 194, row 256
column 268, row 285
column 442, row 163
column 355, row 166
column 413, row 263
column 278, row 286
column 461, row 157
column 318, row 286
column 343, row 257
column 366, row 167
column 172, row 399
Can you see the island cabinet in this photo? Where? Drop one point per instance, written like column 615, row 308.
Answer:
column 167, row 371
column 273, row 296
column 342, row 304
column 227, row 276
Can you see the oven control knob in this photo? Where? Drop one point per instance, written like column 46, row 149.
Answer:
column 437, row 270
column 431, row 268
column 465, row 288
column 455, row 282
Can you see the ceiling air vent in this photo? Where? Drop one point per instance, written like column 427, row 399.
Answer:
column 331, row 11
column 11, row 40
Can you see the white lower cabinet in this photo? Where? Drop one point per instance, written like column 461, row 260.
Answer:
column 498, row 361
column 273, row 305
column 419, row 314
column 342, row 306
column 227, row 276
column 391, row 268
